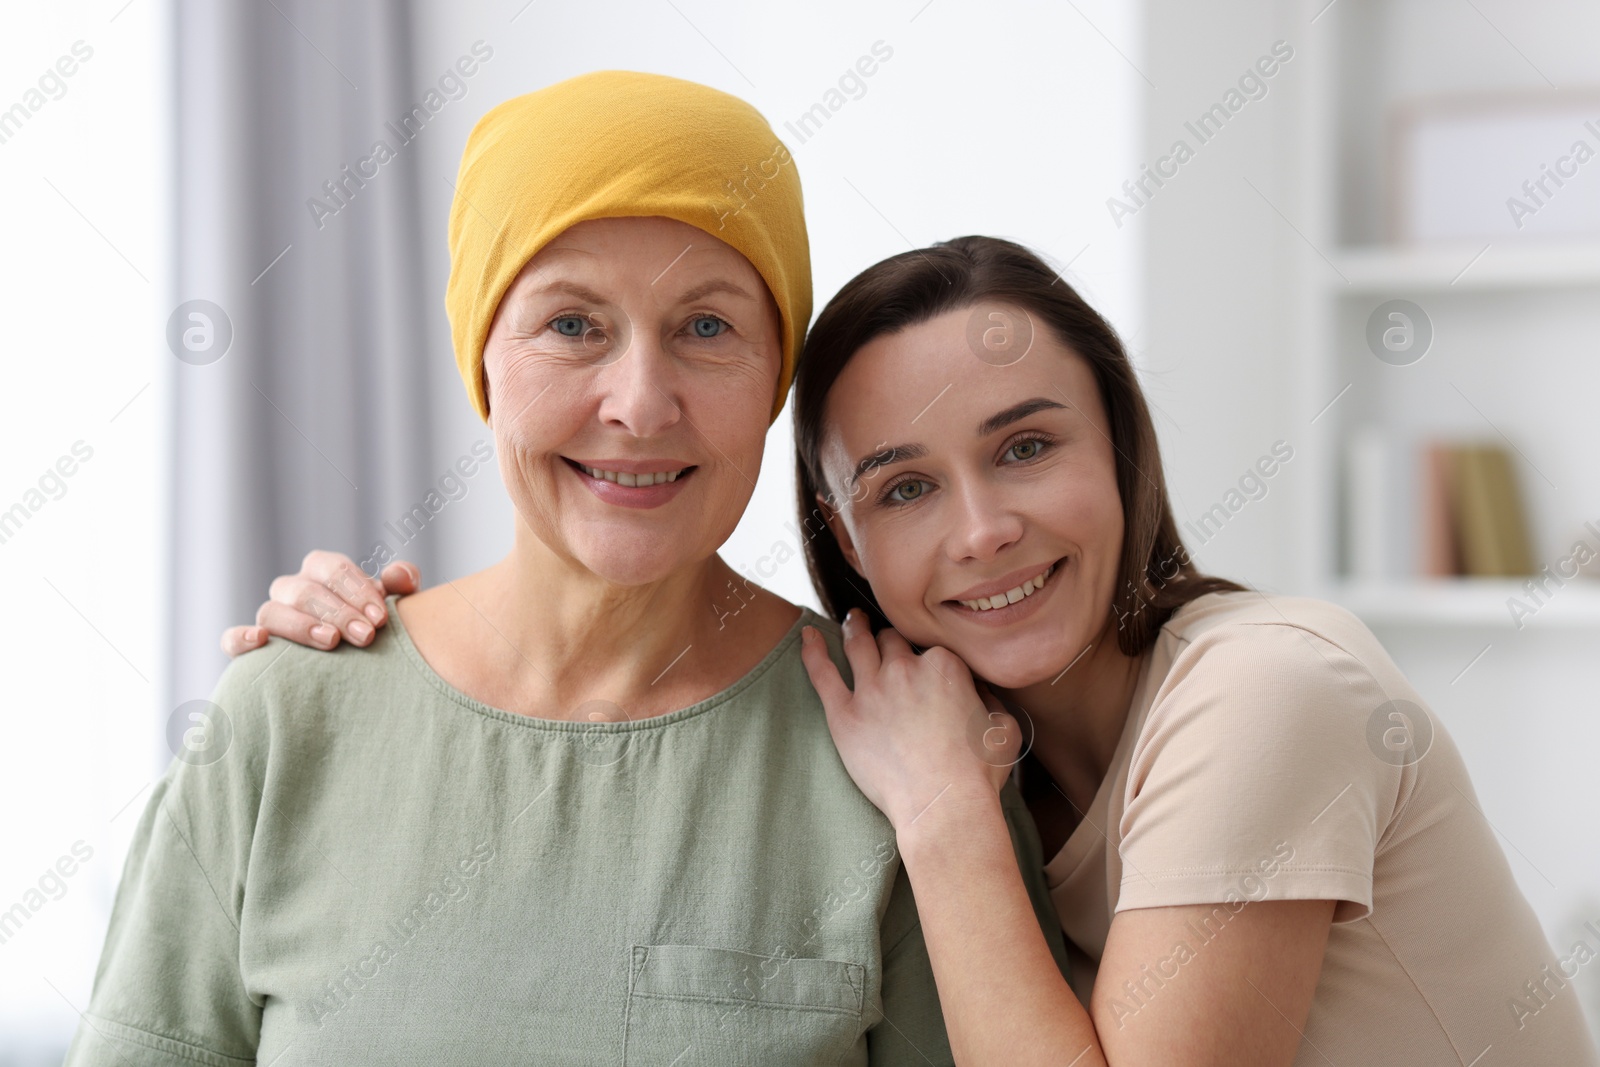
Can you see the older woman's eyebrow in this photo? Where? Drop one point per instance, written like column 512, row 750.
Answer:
column 1016, row 413
column 885, row 456
column 582, row 292
column 715, row 285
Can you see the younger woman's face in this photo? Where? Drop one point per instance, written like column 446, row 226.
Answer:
column 958, row 480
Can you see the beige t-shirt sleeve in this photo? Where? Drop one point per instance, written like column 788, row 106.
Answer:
column 1251, row 777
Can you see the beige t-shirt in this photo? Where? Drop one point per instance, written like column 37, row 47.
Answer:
column 1273, row 751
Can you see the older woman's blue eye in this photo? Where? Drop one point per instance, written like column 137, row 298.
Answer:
column 708, row 326
column 569, row 325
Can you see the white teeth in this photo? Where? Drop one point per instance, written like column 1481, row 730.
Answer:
column 636, row 480
column 1011, row 596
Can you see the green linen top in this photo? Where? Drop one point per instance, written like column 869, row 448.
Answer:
column 364, row 865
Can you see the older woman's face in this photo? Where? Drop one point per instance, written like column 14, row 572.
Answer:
column 633, row 350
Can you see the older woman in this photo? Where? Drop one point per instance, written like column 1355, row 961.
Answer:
column 557, row 811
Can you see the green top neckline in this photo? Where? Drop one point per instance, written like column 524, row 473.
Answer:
column 403, row 638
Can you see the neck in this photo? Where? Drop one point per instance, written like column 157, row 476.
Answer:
column 1078, row 716
column 562, row 636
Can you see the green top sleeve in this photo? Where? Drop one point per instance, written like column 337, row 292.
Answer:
column 911, row 1030
column 169, row 988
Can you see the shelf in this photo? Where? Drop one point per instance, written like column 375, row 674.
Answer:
column 1393, row 270
column 1474, row 602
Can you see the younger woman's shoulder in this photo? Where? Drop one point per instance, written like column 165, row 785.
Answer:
column 1237, row 658
column 1249, row 615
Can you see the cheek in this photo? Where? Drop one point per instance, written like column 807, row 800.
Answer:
column 898, row 565
column 1089, row 509
column 521, row 382
column 730, row 408
column 531, row 423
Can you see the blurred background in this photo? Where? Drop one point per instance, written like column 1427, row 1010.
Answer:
column 1363, row 235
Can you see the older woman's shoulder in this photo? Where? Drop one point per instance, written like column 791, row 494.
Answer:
column 286, row 687
column 832, row 639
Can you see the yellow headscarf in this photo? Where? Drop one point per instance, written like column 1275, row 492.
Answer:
column 619, row 144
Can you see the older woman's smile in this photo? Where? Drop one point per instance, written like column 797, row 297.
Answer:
column 647, row 483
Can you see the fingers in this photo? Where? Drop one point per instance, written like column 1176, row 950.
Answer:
column 237, row 640
column 951, row 667
column 859, row 646
column 349, row 583
column 825, row 676
column 1001, row 739
column 892, row 646
column 308, row 614
column 401, row 578
column 331, row 591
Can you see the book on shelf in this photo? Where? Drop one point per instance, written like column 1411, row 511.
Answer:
column 1437, row 509
column 1474, row 520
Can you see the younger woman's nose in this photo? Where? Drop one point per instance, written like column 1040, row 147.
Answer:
column 984, row 524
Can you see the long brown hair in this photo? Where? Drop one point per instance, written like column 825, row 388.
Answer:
column 1155, row 576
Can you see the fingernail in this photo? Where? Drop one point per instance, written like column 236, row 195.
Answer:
column 260, row 636
column 323, row 633
column 374, row 613
column 360, row 630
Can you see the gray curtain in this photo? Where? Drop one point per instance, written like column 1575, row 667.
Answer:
column 311, row 429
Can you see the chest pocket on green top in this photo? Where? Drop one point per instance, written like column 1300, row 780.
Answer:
column 695, row 1005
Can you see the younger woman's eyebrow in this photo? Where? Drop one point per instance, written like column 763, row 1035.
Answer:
column 885, row 456
column 1015, row 413
column 998, row 421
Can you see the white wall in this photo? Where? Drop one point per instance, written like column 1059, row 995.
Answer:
column 1218, row 369
column 83, row 304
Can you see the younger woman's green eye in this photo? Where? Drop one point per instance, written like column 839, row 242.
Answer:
column 708, row 326
column 1025, row 449
column 569, row 325
column 907, row 491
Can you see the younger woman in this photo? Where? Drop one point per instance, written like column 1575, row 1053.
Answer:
column 1264, row 850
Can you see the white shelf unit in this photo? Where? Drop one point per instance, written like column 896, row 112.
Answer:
column 1516, row 354
column 1477, row 603
column 1481, row 267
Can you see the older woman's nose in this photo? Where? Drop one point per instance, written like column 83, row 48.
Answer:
column 983, row 523
column 640, row 389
